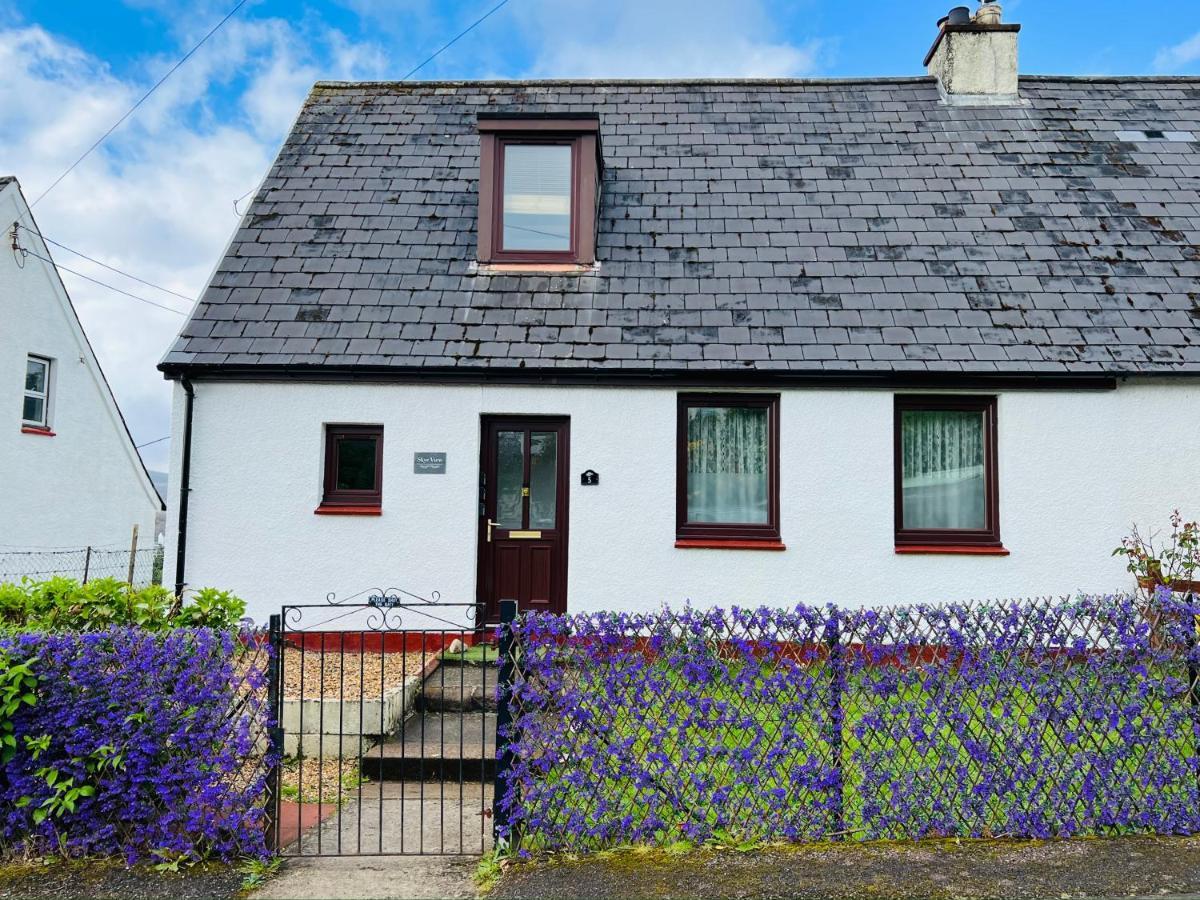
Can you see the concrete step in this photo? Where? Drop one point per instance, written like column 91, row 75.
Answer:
column 454, row 687
column 447, row 745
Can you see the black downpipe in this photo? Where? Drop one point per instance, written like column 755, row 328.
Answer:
column 185, row 474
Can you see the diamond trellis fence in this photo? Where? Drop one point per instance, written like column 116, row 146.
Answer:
column 84, row 564
column 170, row 731
column 1025, row 719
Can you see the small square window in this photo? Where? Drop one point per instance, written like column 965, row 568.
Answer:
column 35, row 408
column 353, row 465
column 946, row 471
column 728, row 467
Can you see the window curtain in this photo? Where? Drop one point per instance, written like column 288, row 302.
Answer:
column 727, row 465
column 943, row 469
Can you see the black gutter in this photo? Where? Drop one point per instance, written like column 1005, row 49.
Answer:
column 185, row 474
column 681, row 378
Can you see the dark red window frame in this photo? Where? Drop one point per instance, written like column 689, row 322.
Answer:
column 582, row 136
column 743, row 535
column 335, row 498
column 932, row 539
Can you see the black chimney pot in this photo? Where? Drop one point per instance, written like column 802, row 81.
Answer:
column 960, row 15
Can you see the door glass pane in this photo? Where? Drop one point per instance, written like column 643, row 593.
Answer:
column 943, row 469
column 537, row 197
column 356, row 464
column 543, row 478
column 727, row 465
column 510, row 478
column 35, row 376
column 34, row 410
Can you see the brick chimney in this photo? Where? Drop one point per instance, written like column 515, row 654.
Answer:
column 974, row 57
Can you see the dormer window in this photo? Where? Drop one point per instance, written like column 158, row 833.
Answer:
column 538, row 190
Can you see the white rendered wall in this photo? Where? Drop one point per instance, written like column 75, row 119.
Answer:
column 85, row 485
column 1076, row 469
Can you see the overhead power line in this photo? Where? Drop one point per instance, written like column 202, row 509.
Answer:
column 102, row 284
column 153, row 442
column 422, row 64
column 103, row 265
column 454, row 40
column 129, row 112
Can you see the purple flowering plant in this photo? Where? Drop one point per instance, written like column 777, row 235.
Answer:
column 1033, row 719
column 143, row 744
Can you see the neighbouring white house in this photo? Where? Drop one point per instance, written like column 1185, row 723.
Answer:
column 608, row 344
column 70, row 477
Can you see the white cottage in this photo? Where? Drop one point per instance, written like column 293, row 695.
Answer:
column 607, row 344
column 69, row 474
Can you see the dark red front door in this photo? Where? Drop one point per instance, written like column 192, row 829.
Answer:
column 523, row 506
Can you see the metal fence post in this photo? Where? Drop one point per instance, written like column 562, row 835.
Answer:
column 1193, row 675
column 275, row 731
column 87, row 564
column 837, row 677
column 504, row 718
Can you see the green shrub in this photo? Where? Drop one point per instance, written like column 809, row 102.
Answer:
column 63, row 604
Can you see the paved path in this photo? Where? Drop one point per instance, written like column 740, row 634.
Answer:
column 393, row 817
column 373, row 878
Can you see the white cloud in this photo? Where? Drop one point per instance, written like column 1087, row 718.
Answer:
column 1180, row 56
column 670, row 38
column 156, row 200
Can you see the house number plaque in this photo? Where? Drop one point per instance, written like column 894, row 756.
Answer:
column 429, row 463
column 589, row 478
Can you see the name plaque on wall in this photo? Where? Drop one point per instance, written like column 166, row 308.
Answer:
column 429, row 463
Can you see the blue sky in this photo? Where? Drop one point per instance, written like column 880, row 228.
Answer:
column 157, row 200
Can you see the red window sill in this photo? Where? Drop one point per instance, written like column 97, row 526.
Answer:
column 951, row 549
column 712, row 544
column 348, row 511
column 30, row 429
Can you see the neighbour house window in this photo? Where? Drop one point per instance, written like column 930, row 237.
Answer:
column 538, row 190
column 728, row 468
column 35, row 408
column 353, row 466
column 946, row 471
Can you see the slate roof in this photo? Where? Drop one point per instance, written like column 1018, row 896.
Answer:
column 764, row 226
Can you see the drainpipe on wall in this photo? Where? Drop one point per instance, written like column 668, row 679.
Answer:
column 185, row 472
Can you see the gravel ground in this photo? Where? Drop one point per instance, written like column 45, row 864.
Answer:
column 1101, row 867
column 321, row 779
column 94, row 879
column 361, row 669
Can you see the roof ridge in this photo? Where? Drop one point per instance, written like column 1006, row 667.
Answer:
column 717, row 81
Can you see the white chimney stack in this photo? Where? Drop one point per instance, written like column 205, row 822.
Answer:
column 974, row 58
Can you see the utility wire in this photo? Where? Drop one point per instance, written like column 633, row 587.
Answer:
column 157, row 287
column 151, row 443
column 446, row 46
column 100, row 140
column 102, row 284
column 454, row 40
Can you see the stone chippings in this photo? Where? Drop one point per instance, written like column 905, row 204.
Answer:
column 775, row 225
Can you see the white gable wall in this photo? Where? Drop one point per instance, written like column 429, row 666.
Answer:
column 85, row 485
column 1076, row 469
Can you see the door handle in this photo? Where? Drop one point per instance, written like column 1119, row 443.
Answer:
column 490, row 526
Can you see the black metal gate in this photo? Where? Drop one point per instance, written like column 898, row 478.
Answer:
column 386, row 710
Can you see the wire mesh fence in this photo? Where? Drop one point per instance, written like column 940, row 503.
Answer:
column 84, row 564
column 1034, row 719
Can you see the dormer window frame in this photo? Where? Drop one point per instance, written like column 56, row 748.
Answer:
column 582, row 135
